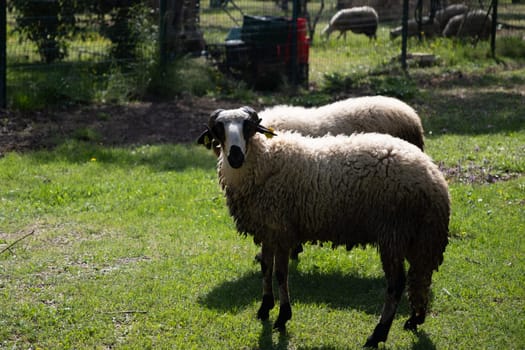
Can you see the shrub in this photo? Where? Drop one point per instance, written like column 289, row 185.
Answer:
column 47, row 24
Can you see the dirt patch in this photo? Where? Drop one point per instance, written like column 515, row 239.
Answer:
column 472, row 173
column 178, row 121
column 138, row 123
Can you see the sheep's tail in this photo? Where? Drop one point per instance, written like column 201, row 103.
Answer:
column 425, row 254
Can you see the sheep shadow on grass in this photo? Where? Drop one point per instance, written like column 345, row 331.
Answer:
column 334, row 289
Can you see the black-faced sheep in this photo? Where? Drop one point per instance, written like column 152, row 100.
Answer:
column 350, row 190
column 360, row 20
column 475, row 23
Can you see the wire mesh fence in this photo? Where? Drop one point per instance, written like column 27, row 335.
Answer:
column 470, row 21
column 71, row 51
column 246, row 39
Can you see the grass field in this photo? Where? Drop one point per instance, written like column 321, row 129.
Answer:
column 133, row 248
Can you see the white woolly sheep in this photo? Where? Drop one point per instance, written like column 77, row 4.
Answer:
column 444, row 15
column 475, row 23
column 386, row 115
column 434, row 28
column 360, row 20
column 350, row 190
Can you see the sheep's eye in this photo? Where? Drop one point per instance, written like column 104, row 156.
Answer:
column 218, row 132
column 249, row 129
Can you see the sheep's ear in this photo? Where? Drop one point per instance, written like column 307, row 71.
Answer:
column 205, row 139
column 268, row 132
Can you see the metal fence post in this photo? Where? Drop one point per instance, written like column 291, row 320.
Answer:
column 494, row 27
column 293, row 59
column 162, row 34
column 404, row 35
column 3, row 54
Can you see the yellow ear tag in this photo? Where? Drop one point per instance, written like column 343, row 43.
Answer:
column 269, row 135
column 207, row 141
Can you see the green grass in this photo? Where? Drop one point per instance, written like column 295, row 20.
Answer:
column 134, row 248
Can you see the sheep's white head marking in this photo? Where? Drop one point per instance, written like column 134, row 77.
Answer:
column 232, row 129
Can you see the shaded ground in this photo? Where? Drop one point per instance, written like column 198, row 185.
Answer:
column 183, row 120
column 137, row 123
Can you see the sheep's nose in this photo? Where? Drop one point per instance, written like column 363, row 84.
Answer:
column 236, row 157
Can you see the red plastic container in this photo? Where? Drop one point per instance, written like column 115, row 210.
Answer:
column 303, row 46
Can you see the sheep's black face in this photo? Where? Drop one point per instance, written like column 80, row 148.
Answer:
column 218, row 132
column 233, row 129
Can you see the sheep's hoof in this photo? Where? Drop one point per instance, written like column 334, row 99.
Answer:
column 371, row 343
column 266, row 306
column 285, row 313
column 414, row 320
column 380, row 334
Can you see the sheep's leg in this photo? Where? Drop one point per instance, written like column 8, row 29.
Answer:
column 281, row 272
column 419, row 281
column 395, row 276
column 268, row 303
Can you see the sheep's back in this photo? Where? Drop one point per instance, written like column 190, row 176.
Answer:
column 444, row 15
column 362, row 114
column 358, row 19
column 472, row 23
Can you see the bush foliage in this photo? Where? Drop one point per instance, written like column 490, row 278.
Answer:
column 50, row 24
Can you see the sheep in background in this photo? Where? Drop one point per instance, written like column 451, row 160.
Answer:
column 380, row 114
column 475, row 23
column 360, row 20
column 350, row 190
column 434, row 28
column 428, row 29
column 444, row 15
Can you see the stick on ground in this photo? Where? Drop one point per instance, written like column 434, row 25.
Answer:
column 15, row 242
